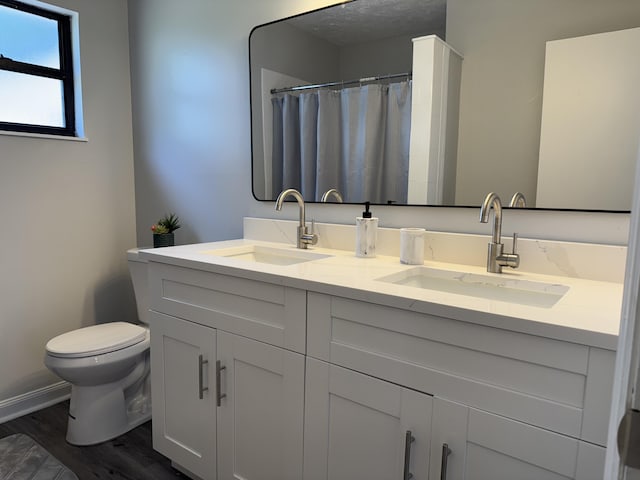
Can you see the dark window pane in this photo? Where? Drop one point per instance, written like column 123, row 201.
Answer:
column 31, row 100
column 29, row 38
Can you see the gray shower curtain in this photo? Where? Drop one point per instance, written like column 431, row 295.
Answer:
column 355, row 139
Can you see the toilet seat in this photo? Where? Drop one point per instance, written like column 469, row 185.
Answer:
column 96, row 340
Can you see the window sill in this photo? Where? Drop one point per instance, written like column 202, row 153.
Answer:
column 43, row 136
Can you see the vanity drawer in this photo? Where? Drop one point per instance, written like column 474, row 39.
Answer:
column 269, row 313
column 536, row 380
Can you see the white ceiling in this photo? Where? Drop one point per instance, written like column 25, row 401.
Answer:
column 365, row 20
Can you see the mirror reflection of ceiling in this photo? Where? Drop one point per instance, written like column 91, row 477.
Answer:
column 505, row 49
column 362, row 22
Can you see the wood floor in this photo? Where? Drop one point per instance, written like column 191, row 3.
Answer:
column 129, row 456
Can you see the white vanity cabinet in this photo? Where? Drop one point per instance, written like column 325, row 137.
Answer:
column 357, row 426
column 225, row 405
column 260, row 419
column 299, row 384
column 470, row 444
column 184, row 413
column 507, row 404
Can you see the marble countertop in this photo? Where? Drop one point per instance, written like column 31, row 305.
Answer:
column 588, row 314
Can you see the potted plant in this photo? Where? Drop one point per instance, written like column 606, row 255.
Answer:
column 163, row 231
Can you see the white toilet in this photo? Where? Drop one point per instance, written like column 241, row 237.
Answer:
column 107, row 366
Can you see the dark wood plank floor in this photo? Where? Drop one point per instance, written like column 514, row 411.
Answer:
column 128, row 457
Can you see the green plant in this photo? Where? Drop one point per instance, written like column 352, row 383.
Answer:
column 166, row 224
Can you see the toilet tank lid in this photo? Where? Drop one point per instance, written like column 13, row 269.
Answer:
column 96, row 340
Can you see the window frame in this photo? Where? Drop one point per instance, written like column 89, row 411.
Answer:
column 64, row 73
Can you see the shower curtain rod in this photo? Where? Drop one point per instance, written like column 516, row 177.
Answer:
column 341, row 84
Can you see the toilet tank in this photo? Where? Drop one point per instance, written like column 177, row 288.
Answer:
column 138, row 271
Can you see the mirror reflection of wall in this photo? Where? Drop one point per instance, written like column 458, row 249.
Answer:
column 502, row 86
column 586, row 160
column 501, row 89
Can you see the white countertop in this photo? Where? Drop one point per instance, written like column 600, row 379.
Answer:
column 588, row 314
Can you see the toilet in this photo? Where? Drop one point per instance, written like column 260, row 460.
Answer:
column 108, row 368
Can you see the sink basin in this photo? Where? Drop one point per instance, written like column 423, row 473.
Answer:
column 269, row 255
column 513, row 290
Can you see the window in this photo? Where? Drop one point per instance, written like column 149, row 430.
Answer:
column 36, row 70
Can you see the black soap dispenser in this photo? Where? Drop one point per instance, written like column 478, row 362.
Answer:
column 366, row 234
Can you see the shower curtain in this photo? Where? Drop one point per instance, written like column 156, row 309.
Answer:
column 355, row 139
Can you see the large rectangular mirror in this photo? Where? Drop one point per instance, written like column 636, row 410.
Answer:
column 544, row 102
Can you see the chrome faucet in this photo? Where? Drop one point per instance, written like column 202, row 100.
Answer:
column 304, row 237
column 328, row 193
column 496, row 259
column 518, row 201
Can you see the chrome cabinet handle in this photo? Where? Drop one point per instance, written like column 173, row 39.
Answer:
column 219, row 396
column 408, row 440
column 201, row 388
column 446, row 451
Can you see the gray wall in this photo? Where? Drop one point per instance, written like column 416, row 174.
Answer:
column 192, row 130
column 190, row 81
column 67, row 210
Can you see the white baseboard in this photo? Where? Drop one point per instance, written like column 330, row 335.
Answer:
column 32, row 401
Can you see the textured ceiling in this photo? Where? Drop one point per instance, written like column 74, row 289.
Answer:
column 365, row 20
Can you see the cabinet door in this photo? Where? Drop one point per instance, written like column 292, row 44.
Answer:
column 260, row 418
column 183, row 393
column 485, row 446
column 356, row 427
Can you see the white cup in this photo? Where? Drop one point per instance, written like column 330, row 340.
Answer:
column 412, row 246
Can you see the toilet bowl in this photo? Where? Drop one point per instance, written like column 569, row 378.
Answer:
column 108, row 368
